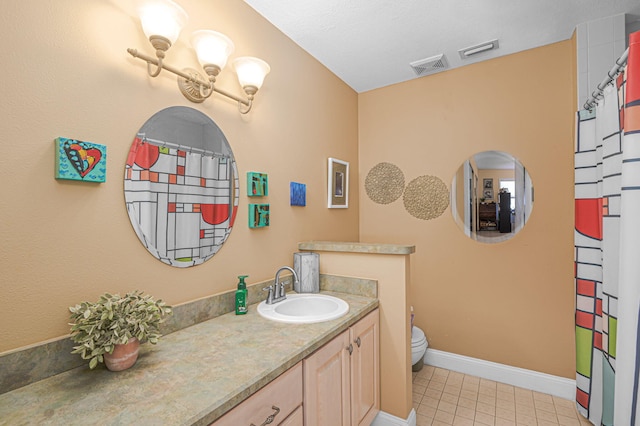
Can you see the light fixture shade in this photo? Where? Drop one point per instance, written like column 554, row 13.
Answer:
column 212, row 48
column 162, row 18
column 251, row 71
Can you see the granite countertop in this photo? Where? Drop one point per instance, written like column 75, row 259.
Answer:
column 191, row 377
column 357, row 247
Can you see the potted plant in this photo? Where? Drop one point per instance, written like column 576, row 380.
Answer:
column 111, row 329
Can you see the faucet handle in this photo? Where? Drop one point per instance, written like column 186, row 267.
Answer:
column 269, row 294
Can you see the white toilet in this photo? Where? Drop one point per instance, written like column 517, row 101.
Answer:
column 418, row 348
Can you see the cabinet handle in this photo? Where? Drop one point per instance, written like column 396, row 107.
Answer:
column 270, row 418
column 357, row 341
column 350, row 348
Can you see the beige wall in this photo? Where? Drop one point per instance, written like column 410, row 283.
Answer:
column 67, row 73
column 512, row 302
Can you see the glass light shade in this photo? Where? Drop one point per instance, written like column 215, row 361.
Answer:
column 251, row 71
column 212, row 48
column 162, row 18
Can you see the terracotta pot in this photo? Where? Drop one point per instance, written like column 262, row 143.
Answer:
column 123, row 356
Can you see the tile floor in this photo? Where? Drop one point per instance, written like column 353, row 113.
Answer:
column 443, row 397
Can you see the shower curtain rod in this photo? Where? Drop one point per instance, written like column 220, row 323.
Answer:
column 620, row 63
column 190, row 149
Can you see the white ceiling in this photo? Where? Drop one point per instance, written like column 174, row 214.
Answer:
column 370, row 43
column 494, row 160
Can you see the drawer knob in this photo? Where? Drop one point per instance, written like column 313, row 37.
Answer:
column 350, row 348
column 270, row 418
column 357, row 341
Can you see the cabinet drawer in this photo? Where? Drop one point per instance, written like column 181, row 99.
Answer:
column 295, row 419
column 285, row 393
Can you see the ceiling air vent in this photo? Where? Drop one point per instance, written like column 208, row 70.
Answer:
column 430, row 65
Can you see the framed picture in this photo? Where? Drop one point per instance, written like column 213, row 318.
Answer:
column 487, row 183
column 338, row 184
column 488, row 194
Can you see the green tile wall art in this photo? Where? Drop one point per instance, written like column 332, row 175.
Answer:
column 298, row 194
column 80, row 160
column 258, row 215
column 257, row 184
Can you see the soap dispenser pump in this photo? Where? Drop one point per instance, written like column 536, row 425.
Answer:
column 241, row 296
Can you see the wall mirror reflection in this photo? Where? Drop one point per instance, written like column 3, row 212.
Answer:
column 491, row 196
column 181, row 186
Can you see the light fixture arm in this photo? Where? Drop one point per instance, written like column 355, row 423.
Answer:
column 157, row 70
column 161, row 44
column 149, row 60
column 192, row 85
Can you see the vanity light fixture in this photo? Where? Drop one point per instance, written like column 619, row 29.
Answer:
column 162, row 21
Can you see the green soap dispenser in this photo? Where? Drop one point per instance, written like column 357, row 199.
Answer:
column 241, row 296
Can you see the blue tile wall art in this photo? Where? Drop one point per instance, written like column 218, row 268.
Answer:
column 298, row 194
column 80, row 160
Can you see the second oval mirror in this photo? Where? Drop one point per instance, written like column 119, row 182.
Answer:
column 491, row 196
column 181, row 186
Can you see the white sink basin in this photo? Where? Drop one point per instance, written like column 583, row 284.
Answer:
column 304, row 308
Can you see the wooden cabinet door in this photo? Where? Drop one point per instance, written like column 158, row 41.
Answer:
column 326, row 384
column 365, row 371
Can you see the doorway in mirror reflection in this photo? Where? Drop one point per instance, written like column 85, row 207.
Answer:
column 491, row 196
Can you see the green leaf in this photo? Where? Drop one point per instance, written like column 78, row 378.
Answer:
column 93, row 363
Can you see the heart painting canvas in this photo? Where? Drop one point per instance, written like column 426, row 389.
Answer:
column 79, row 160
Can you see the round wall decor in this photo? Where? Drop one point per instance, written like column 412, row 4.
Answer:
column 426, row 197
column 384, row 183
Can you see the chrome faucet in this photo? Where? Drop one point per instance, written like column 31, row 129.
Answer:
column 276, row 292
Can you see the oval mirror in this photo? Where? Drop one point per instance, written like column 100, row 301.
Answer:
column 181, row 186
column 491, row 196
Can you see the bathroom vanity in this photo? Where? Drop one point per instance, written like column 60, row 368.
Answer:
column 210, row 361
column 191, row 377
column 339, row 384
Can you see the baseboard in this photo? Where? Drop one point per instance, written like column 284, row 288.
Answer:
column 528, row 379
column 386, row 419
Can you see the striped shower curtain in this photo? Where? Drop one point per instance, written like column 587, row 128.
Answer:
column 607, row 251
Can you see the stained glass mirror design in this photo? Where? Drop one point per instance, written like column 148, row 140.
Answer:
column 181, row 186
